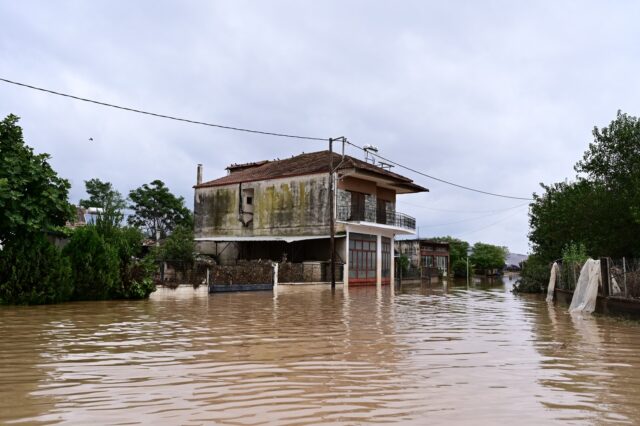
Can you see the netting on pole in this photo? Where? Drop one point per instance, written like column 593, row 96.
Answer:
column 586, row 292
column 555, row 273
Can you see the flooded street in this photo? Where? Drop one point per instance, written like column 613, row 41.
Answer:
column 306, row 356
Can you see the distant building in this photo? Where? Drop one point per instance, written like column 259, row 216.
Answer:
column 84, row 216
column 430, row 257
column 279, row 210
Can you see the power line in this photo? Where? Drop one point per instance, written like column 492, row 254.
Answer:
column 459, row 211
column 470, row 219
column 154, row 114
column 490, row 225
column 260, row 132
column 438, row 179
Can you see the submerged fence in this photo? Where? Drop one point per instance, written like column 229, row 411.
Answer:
column 172, row 273
column 620, row 277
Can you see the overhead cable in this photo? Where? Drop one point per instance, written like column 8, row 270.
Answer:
column 154, row 114
column 438, row 179
column 260, row 132
column 469, row 211
column 470, row 219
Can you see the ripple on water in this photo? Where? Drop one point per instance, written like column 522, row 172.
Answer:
column 309, row 356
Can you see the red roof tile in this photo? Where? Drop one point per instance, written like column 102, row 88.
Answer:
column 305, row 164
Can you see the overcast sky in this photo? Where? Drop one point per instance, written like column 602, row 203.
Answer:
column 495, row 95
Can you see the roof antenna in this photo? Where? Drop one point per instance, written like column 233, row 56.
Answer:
column 369, row 157
column 384, row 165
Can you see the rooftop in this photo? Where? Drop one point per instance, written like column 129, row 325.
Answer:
column 307, row 164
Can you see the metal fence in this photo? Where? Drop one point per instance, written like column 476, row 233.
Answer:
column 622, row 277
column 392, row 218
column 625, row 273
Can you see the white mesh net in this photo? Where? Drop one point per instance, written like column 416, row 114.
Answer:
column 586, row 292
column 552, row 281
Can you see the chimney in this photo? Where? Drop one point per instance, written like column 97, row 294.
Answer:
column 199, row 178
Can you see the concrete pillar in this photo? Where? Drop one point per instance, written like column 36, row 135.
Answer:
column 378, row 259
column 345, row 273
column 393, row 261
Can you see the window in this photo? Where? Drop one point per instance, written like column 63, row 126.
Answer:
column 362, row 258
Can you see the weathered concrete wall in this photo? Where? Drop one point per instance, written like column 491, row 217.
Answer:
column 411, row 249
column 282, row 207
column 370, row 205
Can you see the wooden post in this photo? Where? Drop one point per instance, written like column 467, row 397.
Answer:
column 604, row 274
column 332, row 229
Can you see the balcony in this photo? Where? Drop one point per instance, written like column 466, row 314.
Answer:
column 348, row 213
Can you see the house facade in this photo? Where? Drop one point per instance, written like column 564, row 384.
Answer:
column 430, row 257
column 280, row 210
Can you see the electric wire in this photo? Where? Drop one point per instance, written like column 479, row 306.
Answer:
column 436, row 178
column 489, row 226
column 154, row 114
column 260, row 132
column 470, row 219
column 460, row 211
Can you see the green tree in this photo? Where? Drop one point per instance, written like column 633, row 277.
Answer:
column 95, row 265
column 601, row 209
column 534, row 276
column 178, row 247
column 135, row 272
column 487, row 257
column 33, row 271
column 157, row 210
column 104, row 196
column 32, row 196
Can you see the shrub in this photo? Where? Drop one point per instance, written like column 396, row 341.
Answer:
column 534, row 277
column 137, row 281
column 33, row 271
column 95, row 265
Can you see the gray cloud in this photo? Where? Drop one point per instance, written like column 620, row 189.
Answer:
column 494, row 95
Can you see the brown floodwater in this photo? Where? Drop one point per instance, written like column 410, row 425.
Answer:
column 305, row 355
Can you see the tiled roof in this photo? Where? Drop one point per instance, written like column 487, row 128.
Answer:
column 307, row 164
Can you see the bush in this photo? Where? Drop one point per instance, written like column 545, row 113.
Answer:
column 137, row 281
column 534, row 277
column 33, row 271
column 95, row 265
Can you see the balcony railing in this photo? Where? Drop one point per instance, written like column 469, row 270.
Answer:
column 399, row 220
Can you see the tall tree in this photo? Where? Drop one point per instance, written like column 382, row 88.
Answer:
column 488, row 256
column 613, row 161
column 104, row 196
column 32, row 196
column 157, row 210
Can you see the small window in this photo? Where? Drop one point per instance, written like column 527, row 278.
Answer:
column 249, row 201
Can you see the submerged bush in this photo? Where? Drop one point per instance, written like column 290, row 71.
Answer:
column 137, row 281
column 34, row 271
column 534, row 277
column 95, row 265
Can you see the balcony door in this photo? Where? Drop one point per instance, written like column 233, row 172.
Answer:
column 357, row 206
column 381, row 211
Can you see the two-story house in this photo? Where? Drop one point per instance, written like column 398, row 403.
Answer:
column 280, row 210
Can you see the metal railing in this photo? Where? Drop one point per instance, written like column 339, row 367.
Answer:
column 400, row 220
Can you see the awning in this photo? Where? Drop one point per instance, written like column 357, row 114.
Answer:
column 266, row 238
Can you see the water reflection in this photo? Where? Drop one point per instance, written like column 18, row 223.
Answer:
column 437, row 353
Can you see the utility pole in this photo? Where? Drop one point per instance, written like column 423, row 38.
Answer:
column 332, row 226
